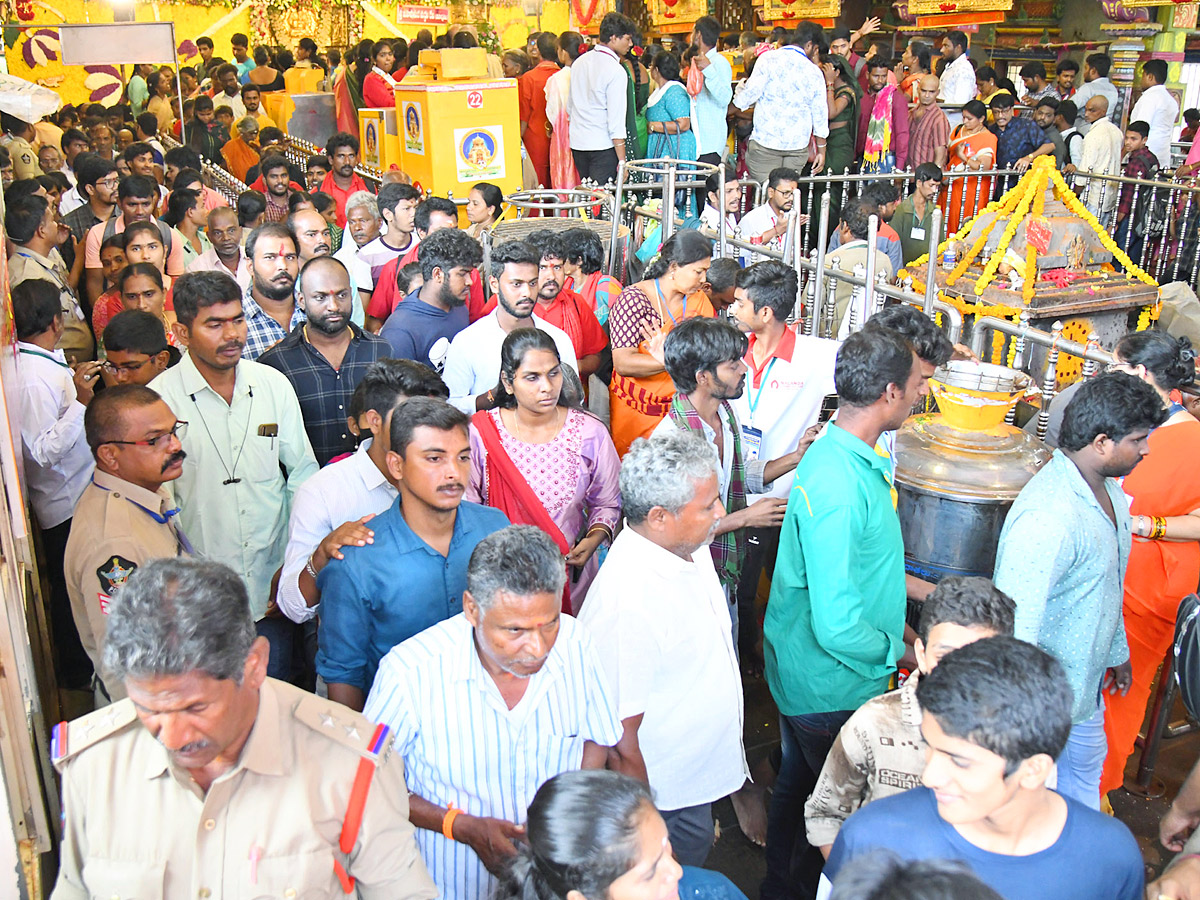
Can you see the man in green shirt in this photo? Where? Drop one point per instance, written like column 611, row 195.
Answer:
column 912, row 217
column 835, row 621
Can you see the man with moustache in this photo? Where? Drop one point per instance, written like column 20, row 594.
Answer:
column 413, row 574
column 124, row 518
column 473, row 360
column 249, row 452
column 326, row 357
column 270, row 303
column 564, row 308
column 225, row 254
column 218, row 776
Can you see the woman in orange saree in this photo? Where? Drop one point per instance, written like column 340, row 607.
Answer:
column 639, row 321
column 1164, row 565
column 972, row 148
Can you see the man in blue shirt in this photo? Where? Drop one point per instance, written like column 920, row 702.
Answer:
column 995, row 714
column 1063, row 552
column 712, row 103
column 413, row 573
column 425, row 322
column 1018, row 139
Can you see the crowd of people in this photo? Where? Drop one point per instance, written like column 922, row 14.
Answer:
column 343, row 552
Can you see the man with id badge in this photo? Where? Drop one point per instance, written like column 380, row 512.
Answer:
column 704, row 358
column 912, row 217
column 790, row 377
column 247, row 451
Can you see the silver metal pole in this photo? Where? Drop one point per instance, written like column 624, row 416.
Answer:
column 869, row 288
column 819, row 275
column 931, row 264
column 668, row 203
column 616, row 223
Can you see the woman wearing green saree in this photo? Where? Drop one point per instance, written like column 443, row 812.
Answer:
column 843, row 95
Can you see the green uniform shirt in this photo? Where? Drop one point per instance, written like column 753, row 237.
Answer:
column 914, row 232
column 835, row 621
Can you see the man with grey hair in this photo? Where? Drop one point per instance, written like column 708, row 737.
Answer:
column 363, row 224
column 236, row 779
column 658, row 616
column 489, row 705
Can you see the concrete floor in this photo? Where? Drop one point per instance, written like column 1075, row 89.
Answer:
column 744, row 863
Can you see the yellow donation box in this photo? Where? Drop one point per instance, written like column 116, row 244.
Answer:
column 457, row 126
column 379, row 138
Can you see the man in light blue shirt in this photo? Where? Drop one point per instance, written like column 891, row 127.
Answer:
column 712, row 103
column 1063, row 553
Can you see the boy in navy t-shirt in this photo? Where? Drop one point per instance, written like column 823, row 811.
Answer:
column 996, row 714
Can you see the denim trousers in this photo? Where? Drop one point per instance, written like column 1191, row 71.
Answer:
column 793, row 865
column 1080, row 763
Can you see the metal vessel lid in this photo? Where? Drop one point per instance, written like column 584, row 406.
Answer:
column 991, row 465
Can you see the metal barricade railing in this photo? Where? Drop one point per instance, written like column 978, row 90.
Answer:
column 221, row 181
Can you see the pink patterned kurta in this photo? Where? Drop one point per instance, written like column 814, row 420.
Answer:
column 575, row 476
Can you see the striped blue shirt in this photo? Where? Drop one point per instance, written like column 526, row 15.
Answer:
column 463, row 745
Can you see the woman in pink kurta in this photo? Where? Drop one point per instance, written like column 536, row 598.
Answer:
column 534, row 441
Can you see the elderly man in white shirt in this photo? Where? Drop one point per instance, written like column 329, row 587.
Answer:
column 1158, row 108
column 490, row 704
column 332, row 509
column 597, row 99
column 58, row 462
column 226, row 253
column 787, row 92
column 662, row 627
column 958, row 79
column 472, row 368
column 1100, row 155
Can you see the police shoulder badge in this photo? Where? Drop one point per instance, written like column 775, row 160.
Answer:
column 114, row 573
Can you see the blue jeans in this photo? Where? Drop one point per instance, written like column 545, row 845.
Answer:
column 1134, row 250
column 793, row 865
column 1082, row 760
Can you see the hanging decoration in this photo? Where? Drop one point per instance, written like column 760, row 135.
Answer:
column 784, row 11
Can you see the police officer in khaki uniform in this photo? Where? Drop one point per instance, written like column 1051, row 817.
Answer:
column 124, row 518
column 233, row 784
column 18, row 140
column 32, row 224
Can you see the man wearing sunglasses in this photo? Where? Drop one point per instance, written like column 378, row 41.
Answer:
column 124, row 518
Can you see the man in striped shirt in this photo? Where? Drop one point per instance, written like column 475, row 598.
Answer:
column 489, row 705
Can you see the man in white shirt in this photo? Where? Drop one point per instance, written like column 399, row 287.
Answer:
column 1157, row 107
column 58, row 462
column 657, row 614
column 790, row 380
column 363, row 224
column 767, row 224
column 597, row 101
column 473, row 361
column 850, row 253
column 225, row 254
column 1095, row 83
column 710, row 217
column 1101, row 155
column 488, row 705
column 958, row 78
column 787, row 92
column 331, row 510
column 1072, row 137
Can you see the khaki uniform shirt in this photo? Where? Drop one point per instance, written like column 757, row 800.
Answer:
column 77, row 342
column 113, row 532
column 137, row 827
column 24, row 160
column 879, row 752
